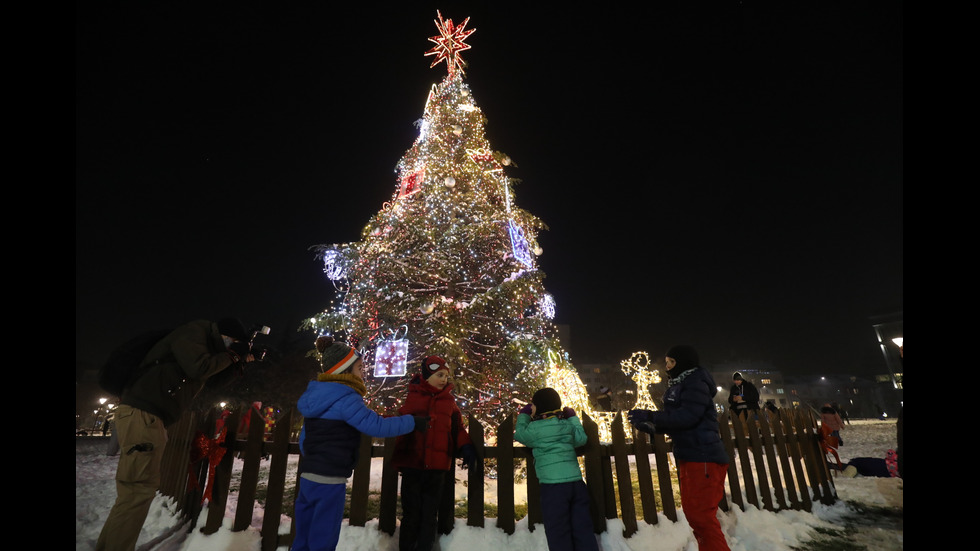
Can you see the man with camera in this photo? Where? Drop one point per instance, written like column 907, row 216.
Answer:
column 173, row 373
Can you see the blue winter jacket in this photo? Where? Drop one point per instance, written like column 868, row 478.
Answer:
column 335, row 416
column 689, row 417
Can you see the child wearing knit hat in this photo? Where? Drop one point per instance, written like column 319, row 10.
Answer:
column 425, row 459
column 335, row 416
column 553, row 433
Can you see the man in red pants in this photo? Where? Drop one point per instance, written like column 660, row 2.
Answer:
column 690, row 419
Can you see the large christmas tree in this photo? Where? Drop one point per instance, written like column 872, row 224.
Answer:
column 448, row 267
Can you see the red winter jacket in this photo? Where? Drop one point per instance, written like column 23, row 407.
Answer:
column 436, row 447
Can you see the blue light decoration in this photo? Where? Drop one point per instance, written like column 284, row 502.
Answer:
column 522, row 252
column 547, row 306
column 334, row 264
column 391, row 356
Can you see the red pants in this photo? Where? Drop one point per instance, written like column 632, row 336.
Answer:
column 702, row 487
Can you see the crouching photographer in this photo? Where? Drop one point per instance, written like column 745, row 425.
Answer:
column 170, row 376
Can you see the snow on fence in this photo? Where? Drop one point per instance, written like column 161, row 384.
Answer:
column 776, row 463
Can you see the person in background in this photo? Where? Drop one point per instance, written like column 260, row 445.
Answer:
column 873, row 466
column 841, row 411
column 335, row 416
column 604, row 400
column 177, row 369
column 689, row 418
column 553, row 433
column 425, row 458
column 743, row 396
column 831, row 419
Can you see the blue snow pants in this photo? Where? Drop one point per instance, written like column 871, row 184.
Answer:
column 319, row 513
column 567, row 521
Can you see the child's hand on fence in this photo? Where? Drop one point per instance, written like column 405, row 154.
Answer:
column 568, row 413
column 469, row 456
column 528, row 409
column 639, row 415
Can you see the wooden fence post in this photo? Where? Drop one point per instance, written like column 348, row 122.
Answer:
column 389, row 490
column 742, row 448
column 752, row 426
column 197, row 471
column 475, row 514
column 767, row 445
column 782, row 450
column 176, row 458
column 272, row 512
column 625, row 481
column 593, row 474
column 663, row 475
column 222, row 478
column 250, row 471
column 734, row 486
column 796, row 439
column 644, row 476
column 360, row 483
column 505, row 476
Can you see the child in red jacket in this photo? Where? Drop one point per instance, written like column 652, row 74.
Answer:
column 425, row 458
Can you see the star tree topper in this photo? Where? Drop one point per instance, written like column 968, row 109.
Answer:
column 449, row 44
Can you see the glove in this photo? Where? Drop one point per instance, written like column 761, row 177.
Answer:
column 647, row 427
column 422, row 423
column 239, row 350
column 526, row 409
column 639, row 415
column 469, row 456
column 568, row 413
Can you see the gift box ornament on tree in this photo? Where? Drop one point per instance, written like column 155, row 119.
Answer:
column 391, row 356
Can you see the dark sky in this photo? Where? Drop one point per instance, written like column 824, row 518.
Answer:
column 727, row 176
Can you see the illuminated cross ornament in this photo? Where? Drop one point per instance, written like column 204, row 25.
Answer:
column 449, row 44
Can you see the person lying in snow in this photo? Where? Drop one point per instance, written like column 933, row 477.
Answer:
column 873, row 466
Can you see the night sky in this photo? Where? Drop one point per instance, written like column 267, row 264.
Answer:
column 727, row 176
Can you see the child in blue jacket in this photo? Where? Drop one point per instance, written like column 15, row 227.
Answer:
column 553, row 433
column 335, row 416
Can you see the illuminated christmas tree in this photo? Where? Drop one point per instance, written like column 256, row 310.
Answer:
column 448, row 267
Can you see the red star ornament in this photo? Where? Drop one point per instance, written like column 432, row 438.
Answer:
column 449, row 44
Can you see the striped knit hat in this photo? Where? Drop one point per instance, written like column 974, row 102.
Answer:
column 335, row 357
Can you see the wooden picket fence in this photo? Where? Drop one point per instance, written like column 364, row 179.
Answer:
column 776, row 463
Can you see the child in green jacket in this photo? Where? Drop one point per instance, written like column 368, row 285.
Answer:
column 553, row 433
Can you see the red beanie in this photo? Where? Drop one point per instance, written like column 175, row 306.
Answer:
column 432, row 364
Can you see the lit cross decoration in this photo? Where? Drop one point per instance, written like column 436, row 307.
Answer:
column 449, row 44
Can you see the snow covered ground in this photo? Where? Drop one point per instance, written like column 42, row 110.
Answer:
column 752, row 530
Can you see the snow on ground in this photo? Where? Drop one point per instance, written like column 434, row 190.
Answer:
column 751, row 530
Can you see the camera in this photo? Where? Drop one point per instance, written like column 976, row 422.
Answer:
column 258, row 351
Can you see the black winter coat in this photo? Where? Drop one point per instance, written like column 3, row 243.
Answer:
column 178, row 367
column 689, row 417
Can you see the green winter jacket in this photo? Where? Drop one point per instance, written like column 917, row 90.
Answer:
column 552, row 441
column 177, row 368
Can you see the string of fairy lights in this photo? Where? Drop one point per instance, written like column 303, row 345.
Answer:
column 448, row 266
